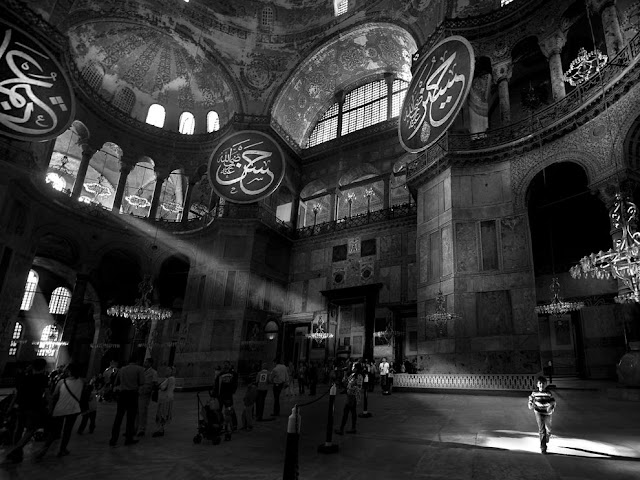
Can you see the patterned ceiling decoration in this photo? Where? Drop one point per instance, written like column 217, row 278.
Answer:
column 155, row 66
column 341, row 63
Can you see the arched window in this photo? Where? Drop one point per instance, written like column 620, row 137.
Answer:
column 29, row 290
column 60, row 299
column 15, row 340
column 155, row 116
column 47, row 347
column 93, row 75
column 213, row 122
column 125, row 99
column 187, row 123
column 340, row 7
column 362, row 107
column 267, row 17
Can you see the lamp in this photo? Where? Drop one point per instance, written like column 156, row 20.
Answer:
column 137, row 200
column 557, row 307
column 316, row 208
column 623, row 260
column 441, row 317
column 97, row 187
column 142, row 311
column 319, row 334
column 368, row 192
column 388, row 333
column 351, row 196
column 271, row 330
column 584, row 66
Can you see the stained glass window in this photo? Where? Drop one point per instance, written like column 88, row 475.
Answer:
column 13, row 346
column 60, row 299
column 29, row 290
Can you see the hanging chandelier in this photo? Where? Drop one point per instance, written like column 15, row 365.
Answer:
column 557, row 307
column 142, row 311
column 388, row 333
column 56, row 181
column 97, row 188
column 137, row 200
column 171, row 207
column 584, row 66
column 319, row 334
column 441, row 317
column 621, row 262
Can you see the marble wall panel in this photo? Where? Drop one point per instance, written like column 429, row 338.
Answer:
column 391, row 279
column 524, row 317
column 300, row 262
column 412, row 279
column 424, row 258
column 240, row 289
column 315, row 300
column 411, row 243
column 390, row 246
column 487, row 189
column 294, row 298
column 257, row 292
column 466, row 247
column 515, row 242
column 219, row 285
column 447, row 250
column 494, row 314
column 318, row 259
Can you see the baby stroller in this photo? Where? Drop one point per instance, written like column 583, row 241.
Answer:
column 210, row 421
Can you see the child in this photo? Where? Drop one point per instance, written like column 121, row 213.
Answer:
column 249, row 401
column 543, row 405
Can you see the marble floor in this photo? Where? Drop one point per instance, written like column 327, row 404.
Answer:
column 410, row 436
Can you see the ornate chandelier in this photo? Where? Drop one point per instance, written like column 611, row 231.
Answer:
column 137, row 200
column 557, row 307
column 171, row 207
column 621, row 262
column 319, row 333
column 441, row 317
column 584, row 66
column 388, row 333
column 97, row 188
column 142, row 311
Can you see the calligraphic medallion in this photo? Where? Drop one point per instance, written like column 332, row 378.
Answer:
column 36, row 97
column 439, row 86
column 246, row 167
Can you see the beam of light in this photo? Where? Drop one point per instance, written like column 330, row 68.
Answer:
column 559, row 445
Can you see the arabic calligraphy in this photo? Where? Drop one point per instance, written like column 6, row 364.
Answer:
column 246, row 167
column 36, row 101
column 436, row 93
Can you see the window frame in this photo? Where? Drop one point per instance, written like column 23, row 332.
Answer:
column 151, row 120
column 57, row 301
column 183, row 123
column 29, row 294
column 14, row 343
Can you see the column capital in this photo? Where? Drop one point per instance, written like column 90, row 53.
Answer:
column 390, row 77
column 340, row 96
column 599, row 5
column 553, row 44
column 162, row 173
column 502, row 70
column 88, row 149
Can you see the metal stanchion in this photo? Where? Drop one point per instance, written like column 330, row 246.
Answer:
column 291, row 457
column 365, row 404
column 328, row 446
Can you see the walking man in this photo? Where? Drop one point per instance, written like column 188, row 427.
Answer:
column 279, row 378
column 129, row 380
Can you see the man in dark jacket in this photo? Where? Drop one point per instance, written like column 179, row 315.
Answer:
column 224, row 387
column 32, row 406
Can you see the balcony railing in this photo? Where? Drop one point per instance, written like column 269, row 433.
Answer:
column 581, row 100
column 364, row 219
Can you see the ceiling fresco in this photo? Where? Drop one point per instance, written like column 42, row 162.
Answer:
column 154, row 65
column 365, row 51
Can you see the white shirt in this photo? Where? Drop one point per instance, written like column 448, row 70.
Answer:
column 384, row 368
column 66, row 404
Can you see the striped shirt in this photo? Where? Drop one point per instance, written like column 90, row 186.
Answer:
column 542, row 402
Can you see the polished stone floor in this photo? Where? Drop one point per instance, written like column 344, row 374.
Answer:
column 447, row 436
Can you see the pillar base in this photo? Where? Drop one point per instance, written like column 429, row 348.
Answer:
column 328, row 448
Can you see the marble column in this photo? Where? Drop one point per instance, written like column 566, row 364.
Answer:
column 611, row 24
column 87, row 154
column 71, row 320
column 339, row 97
column 333, row 202
column 186, row 206
column 295, row 206
column 161, row 176
column 386, row 186
column 551, row 48
column 125, row 170
column 389, row 78
column 502, row 74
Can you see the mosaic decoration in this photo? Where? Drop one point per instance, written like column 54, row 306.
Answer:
column 246, row 167
column 436, row 93
column 36, row 97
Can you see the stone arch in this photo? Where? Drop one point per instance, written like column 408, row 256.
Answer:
column 530, row 169
column 313, row 188
column 358, row 173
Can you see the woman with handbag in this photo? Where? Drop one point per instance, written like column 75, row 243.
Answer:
column 64, row 408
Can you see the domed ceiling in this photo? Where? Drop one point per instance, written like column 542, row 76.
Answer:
column 155, row 66
column 346, row 60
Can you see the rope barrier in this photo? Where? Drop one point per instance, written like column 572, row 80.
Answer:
column 328, row 446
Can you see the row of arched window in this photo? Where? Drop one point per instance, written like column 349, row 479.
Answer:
column 60, row 298
column 47, row 345
column 187, row 122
